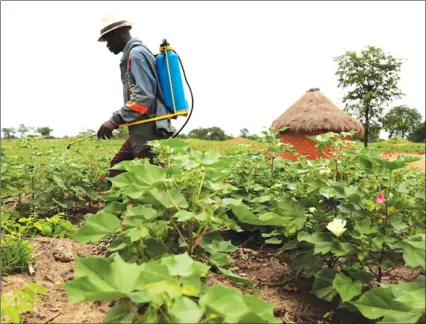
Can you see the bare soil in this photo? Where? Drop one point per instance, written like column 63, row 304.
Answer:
column 54, row 265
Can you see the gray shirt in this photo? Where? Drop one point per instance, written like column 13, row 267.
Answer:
column 142, row 96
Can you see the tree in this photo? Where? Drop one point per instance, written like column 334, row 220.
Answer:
column 371, row 79
column 8, row 133
column 401, row 121
column 44, row 131
column 200, row 133
column 244, row 133
column 22, row 130
column 213, row 134
column 419, row 133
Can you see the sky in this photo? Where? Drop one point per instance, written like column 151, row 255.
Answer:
column 246, row 62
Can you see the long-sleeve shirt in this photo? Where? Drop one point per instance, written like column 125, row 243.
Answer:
column 142, row 96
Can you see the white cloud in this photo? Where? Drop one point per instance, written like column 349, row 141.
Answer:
column 246, row 61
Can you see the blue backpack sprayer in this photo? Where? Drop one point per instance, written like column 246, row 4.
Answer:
column 168, row 66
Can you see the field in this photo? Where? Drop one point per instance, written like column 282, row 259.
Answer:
column 224, row 232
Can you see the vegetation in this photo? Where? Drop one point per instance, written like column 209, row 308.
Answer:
column 371, row 79
column 401, row 121
column 345, row 222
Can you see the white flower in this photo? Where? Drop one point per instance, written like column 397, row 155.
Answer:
column 337, row 226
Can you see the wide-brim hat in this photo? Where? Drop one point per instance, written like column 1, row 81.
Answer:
column 110, row 23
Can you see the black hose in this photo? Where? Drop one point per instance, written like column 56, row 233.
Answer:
column 192, row 97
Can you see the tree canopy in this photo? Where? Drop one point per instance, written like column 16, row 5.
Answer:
column 371, row 80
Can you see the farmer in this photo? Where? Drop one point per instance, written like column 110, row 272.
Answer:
column 141, row 92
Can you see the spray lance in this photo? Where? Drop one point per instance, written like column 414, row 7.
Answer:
column 168, row 66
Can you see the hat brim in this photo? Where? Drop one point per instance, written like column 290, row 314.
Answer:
column 128, row 24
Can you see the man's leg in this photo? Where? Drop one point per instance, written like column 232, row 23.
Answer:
column 124, row 154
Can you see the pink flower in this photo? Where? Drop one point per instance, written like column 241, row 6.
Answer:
column 380, row 198
column 91, row 161
column 100, row 178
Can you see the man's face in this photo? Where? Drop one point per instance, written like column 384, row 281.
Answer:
column 114, row 43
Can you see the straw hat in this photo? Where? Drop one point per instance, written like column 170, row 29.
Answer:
column 110, row 23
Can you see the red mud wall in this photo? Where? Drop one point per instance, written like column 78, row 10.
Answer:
column 303, row 145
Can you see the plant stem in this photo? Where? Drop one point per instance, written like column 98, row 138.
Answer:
column 200, row 187
column 190, row 238
column 168, row 249
column 198, row 240
column 177, row 229
column 385, row 223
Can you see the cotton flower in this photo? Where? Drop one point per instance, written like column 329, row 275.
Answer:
column 337, row 226
column 100, row 178
column 380, row 198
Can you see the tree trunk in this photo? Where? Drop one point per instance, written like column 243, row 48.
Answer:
column 367, row 125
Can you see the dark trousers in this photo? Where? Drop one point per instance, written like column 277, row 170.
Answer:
column 126, row 153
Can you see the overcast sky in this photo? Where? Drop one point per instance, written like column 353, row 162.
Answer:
column 246, row 62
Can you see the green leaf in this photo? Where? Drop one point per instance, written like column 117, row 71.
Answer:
column 217, row 245
column 146, row 297
column 135, row 234
column 97, row 227
column 414, row 250
column 182, row 265
column 236, row 278
column 341, row 248
column 244, row 214
column 211, row 157
column 346, row 288
column 191, row 286
column 219, row 259
column 120, row 313
column 380, row 302
column 185, row 310
column 98, row 279
column 321, row 241
column 184, row 216
column 323, row 284
column 232, row 307
column 365, row 227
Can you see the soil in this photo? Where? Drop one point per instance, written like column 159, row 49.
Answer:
column 418, row 165
column 54, row 265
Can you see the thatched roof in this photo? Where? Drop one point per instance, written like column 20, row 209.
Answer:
column 314, row 112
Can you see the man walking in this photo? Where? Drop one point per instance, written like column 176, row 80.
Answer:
column 141, row 91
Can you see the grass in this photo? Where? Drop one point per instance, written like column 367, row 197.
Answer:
column 399, row 145
column 108, row 148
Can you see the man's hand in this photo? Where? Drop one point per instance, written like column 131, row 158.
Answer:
column 105, row 131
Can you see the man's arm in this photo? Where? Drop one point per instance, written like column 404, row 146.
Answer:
column 143, row 95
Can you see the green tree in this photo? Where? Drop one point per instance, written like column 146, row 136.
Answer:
column 44, row 131
column 401, row 121
column 244, row 133
column 419, row 133
column 22, row 130
column 200, row 133
column 216, row 134
column 8, row 132
column 371, row 79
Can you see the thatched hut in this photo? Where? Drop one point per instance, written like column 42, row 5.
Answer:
column 311, row 115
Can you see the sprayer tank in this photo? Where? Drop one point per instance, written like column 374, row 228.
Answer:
column 176, row 81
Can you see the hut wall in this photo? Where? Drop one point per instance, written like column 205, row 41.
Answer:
column 303, row 145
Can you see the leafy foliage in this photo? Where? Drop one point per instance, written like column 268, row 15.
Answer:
column 371, row 79
column 20, row 301
column 401, row 121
